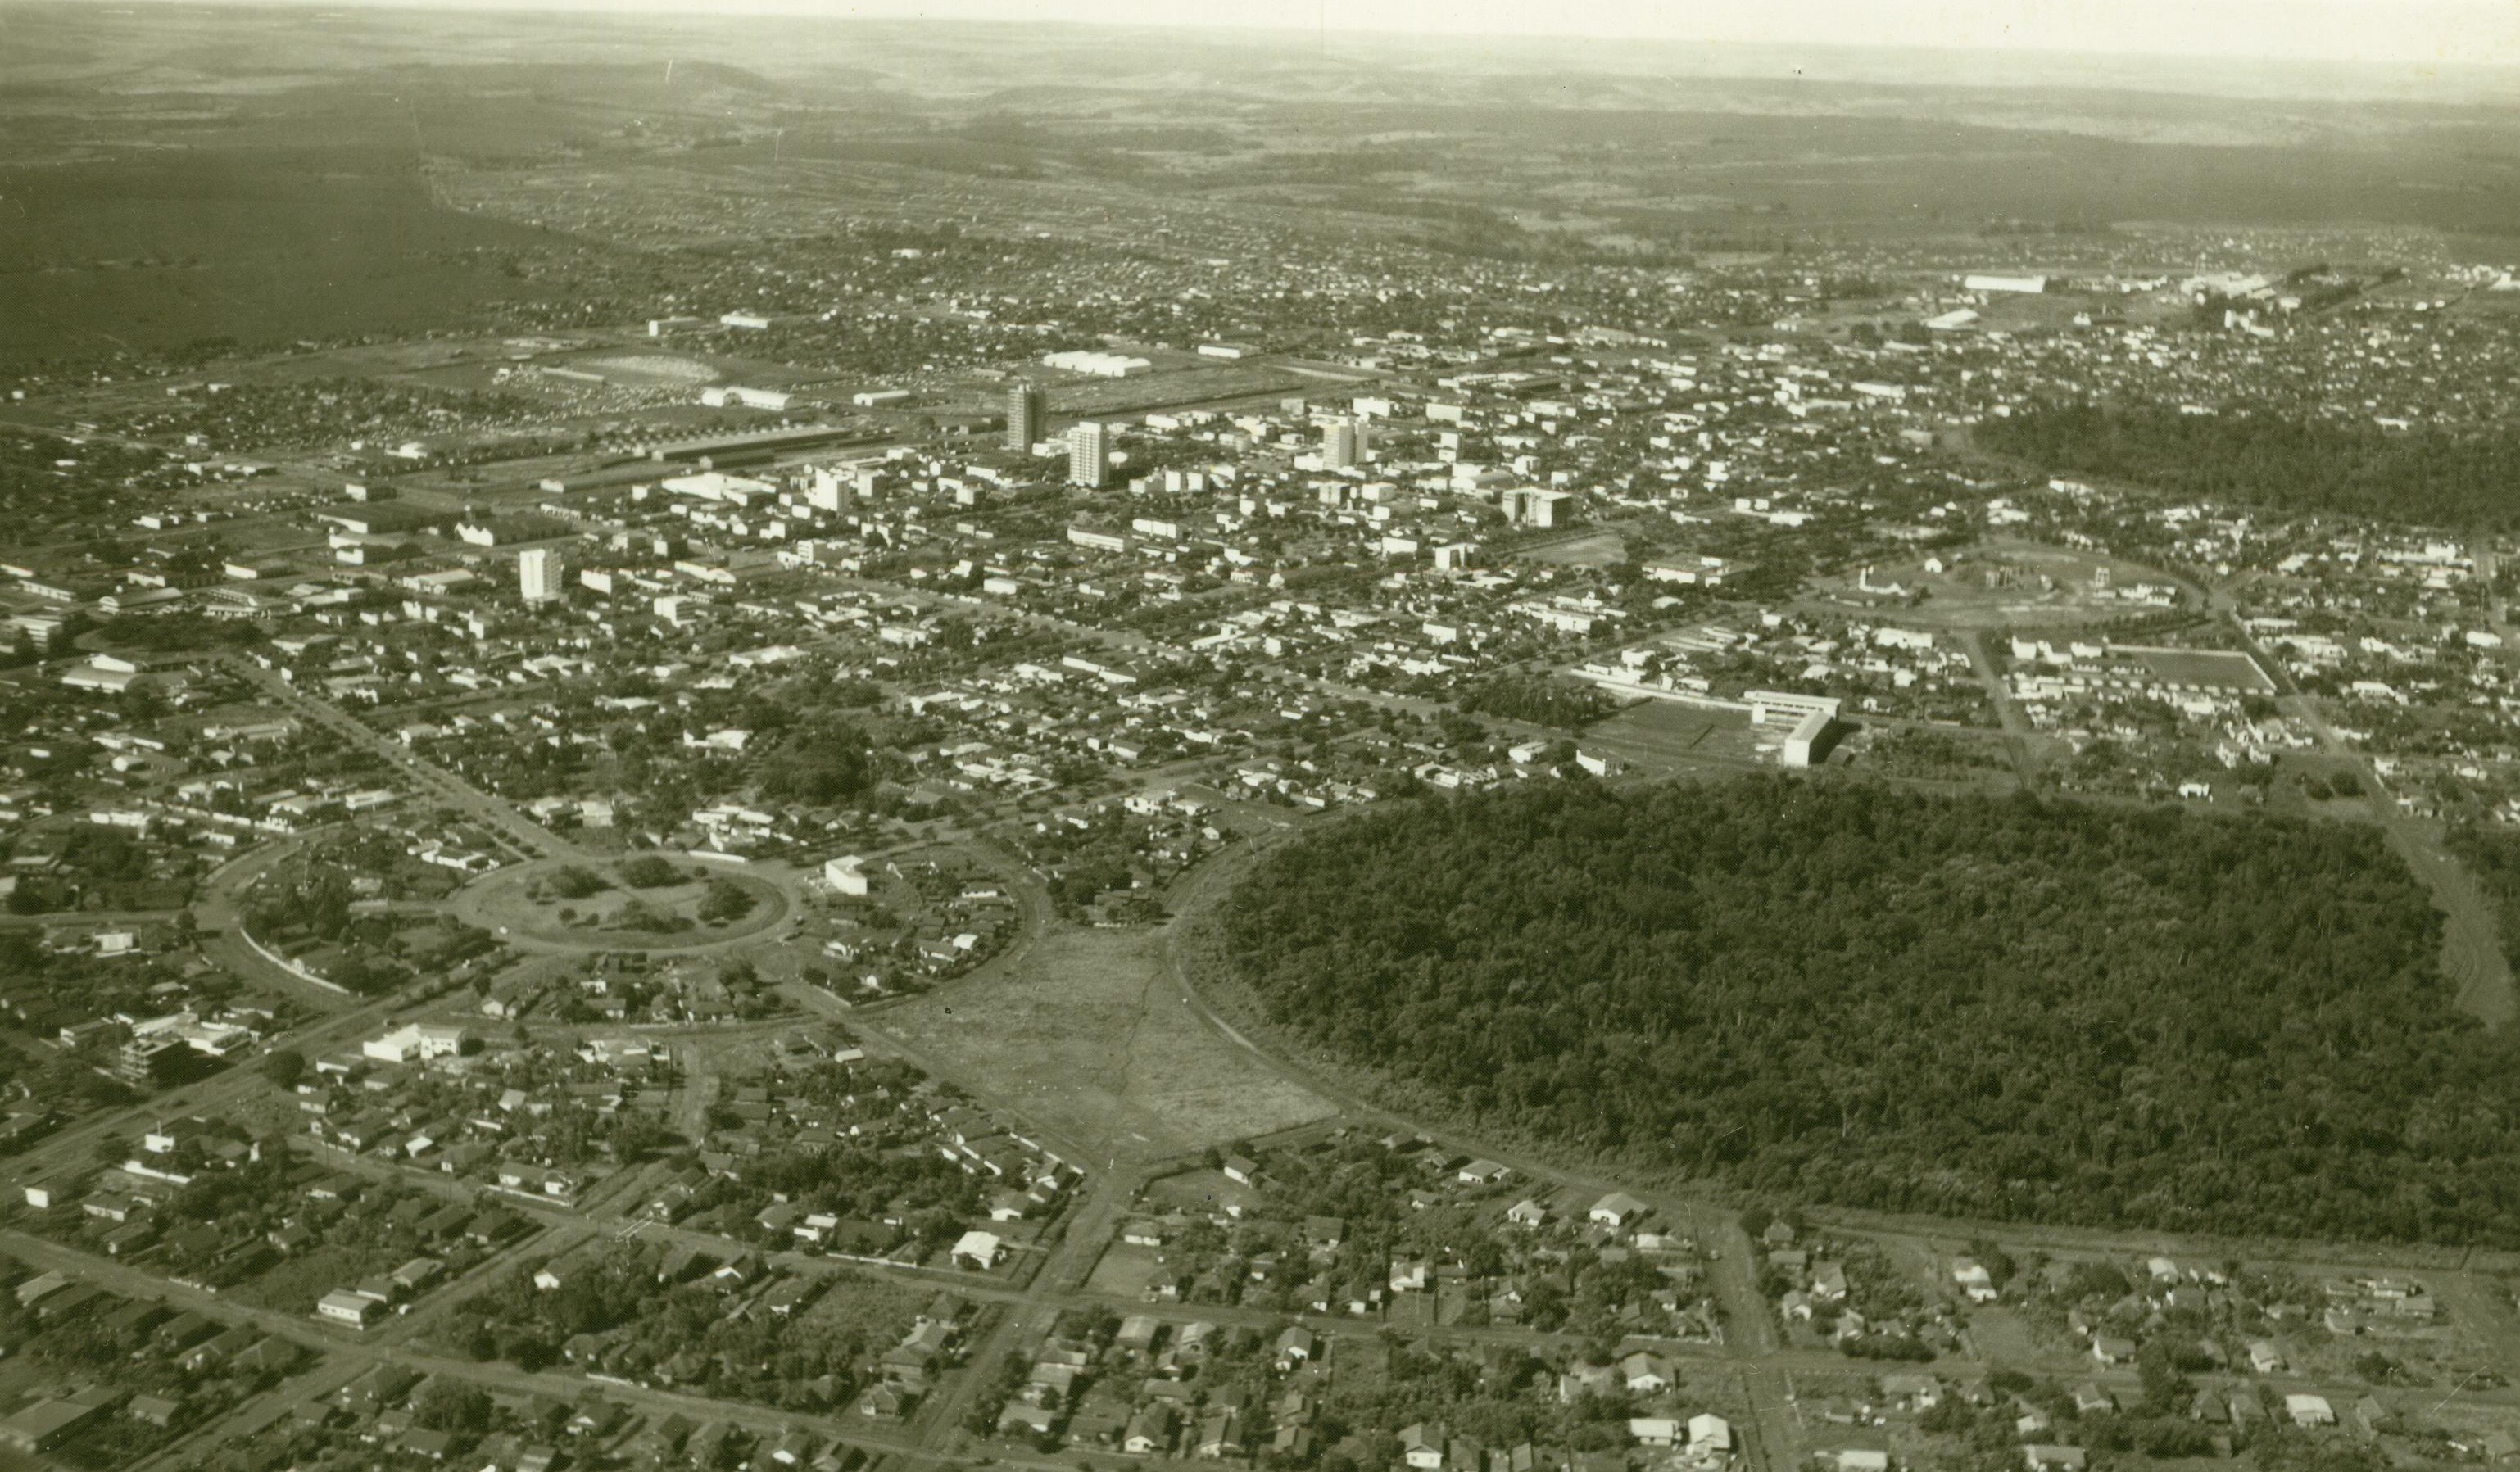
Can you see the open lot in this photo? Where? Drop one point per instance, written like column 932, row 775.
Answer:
column 1087, row 1036
column 2207, row 669
column 1658, row 737
column 2000, row 582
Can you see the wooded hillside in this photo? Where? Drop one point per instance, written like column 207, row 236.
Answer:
column 2002, row 1007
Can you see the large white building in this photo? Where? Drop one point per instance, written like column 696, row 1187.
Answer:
column 1099, row 365
column 538, row 574
column 733, row 397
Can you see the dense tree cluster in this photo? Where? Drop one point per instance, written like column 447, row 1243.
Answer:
column 1999, row 1008
column 820, row 763
column 1538, row 701
column 2428, row 478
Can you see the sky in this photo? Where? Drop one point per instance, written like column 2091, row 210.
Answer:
column 2398, row 31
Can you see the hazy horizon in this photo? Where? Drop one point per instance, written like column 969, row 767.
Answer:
column 2450, row 34
column 1368, row 33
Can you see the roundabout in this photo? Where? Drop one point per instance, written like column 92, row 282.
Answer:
column 644, row 903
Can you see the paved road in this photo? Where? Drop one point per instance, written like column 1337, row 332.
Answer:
column 430, row 780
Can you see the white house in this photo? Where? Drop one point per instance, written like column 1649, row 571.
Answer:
column 415, row 1041
column 1617, row 1209
column 978, row 1249
column 342, row 1306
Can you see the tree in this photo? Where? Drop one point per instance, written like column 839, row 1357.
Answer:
column 648, row 871
column 724, row 902
column 449, row 1405
column 283, row 1067
column 526, row 1349
column 2166, row 1392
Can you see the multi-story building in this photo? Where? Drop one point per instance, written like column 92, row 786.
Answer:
column 1027, row 416
column 538, row 574
column 1341, row 446
column 1089, row 455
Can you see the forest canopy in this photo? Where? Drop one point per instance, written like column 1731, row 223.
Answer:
column 2430, row 477
column 1999, row 1008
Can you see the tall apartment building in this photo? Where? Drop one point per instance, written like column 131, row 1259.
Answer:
column 1027, row 416
column 1089, row 455
column 538, row 574
column 1342, row 446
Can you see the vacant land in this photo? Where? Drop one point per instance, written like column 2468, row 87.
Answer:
column 1086, row 1035
column 2207, row 669
column 1664, row 736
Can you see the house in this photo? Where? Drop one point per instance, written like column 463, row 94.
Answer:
column 1528, row 1213
column 1022, row 1416
column 1654, row 1431
column 978, row 1250
column 342, row 1306
column 1483, row 1172
column 1149, row 1432
column 2092, row 1401
column 2046, row 1456
column 1240, row 1168
column 1617, row 1209
column 46, row 1423
column 1582, row 1379
column 1219, row 1436
column 1915, row 1390
column 1973, row 1280
column 1645, row 1374
column 2264, row 1357
column 2309, row 1411
column 1422, row 1448
column 1709, row 1432
column 2108, row 1348
column 887, row 1401
column 794, row 1450
column 429, row 1445
column 1294, row 1346
column 1862, row 1459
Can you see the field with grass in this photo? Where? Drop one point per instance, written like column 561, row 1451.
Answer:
column 1087, row 1034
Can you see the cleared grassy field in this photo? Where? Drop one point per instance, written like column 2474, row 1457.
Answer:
column 1086, row 1035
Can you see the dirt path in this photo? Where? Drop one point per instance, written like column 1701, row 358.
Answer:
column 2472, row 954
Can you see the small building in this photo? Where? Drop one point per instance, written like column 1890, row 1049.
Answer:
column 343, row 1305
column 978, row 1250
column 1618, row 1209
